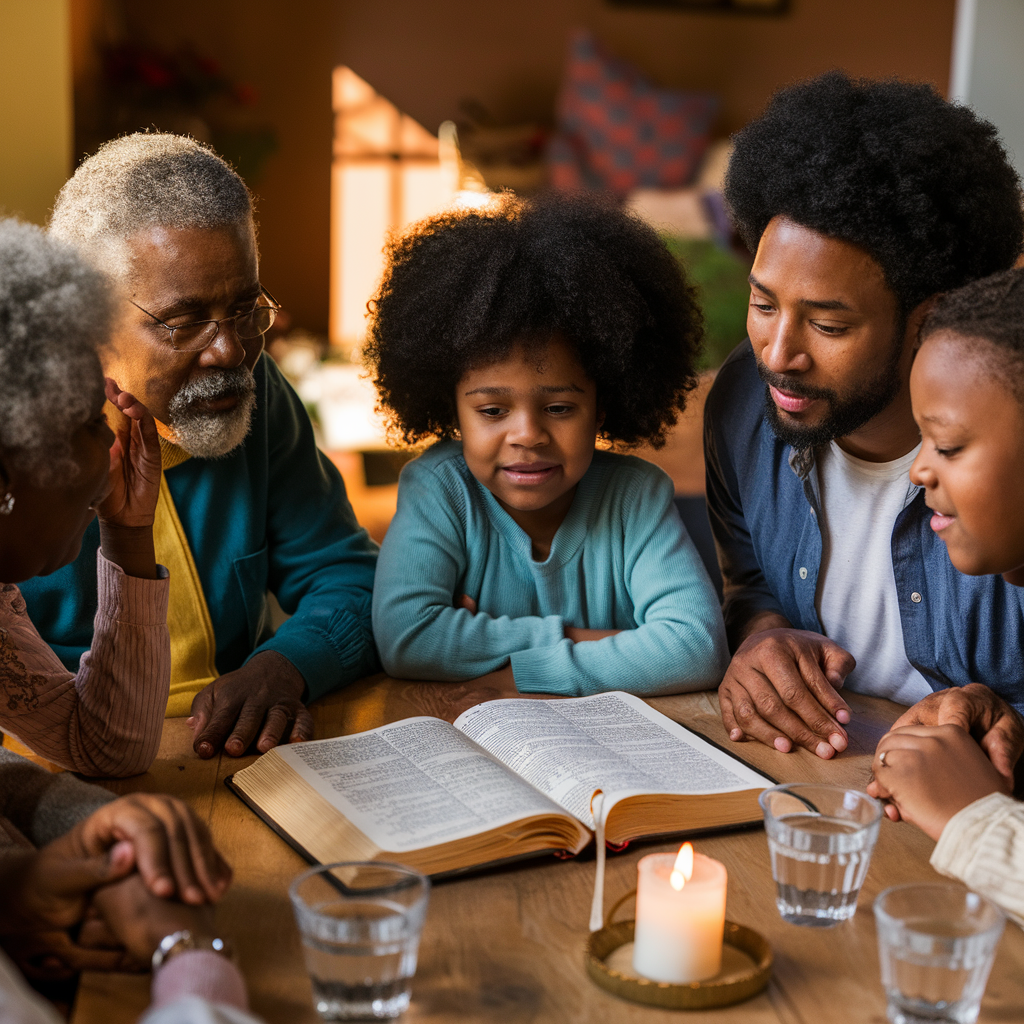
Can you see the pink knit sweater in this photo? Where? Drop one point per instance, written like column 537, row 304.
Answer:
column 107, row 719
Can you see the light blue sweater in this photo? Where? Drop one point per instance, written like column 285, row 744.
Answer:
column 621, row 560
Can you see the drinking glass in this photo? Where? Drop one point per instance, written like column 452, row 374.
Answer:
column 936, row 944
column 360, row 924
column 820, row 838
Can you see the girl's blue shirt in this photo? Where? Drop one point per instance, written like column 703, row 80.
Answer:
column 620, row 560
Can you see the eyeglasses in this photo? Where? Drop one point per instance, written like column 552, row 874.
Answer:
column 199, row 334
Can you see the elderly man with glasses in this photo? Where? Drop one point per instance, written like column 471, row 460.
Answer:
column 248, row 504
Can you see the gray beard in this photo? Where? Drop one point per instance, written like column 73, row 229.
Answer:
column 212, row 435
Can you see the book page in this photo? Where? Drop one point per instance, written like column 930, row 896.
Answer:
column 614, row 742
column 415, row 783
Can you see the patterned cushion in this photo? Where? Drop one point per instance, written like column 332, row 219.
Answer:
column 617, row 131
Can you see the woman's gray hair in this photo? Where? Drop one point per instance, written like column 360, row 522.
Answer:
column 55, row 312
column 144, row 180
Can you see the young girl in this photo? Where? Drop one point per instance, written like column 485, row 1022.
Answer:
column 967, row 388
column 516, row 338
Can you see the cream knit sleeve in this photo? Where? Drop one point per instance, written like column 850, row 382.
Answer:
column 983, row 846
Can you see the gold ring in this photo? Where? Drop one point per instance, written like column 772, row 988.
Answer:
column 881, row 759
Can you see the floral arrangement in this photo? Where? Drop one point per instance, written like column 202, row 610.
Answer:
column 185, row 91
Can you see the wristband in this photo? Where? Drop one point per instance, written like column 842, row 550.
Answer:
column 183, row 941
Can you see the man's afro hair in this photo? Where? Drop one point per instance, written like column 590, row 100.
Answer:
column 922, row 185
column 462, row 289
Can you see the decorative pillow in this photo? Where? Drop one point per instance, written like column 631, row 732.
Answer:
column 619, row 130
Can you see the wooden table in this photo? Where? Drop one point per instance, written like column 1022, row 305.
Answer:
column 507, row 946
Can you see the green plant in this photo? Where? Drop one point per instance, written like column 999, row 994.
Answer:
column 721, row 281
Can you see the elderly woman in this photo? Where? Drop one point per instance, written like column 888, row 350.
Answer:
column 65, row 844
column 60, row 465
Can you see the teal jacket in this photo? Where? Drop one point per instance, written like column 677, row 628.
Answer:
column 620, row 560
column 273, row 515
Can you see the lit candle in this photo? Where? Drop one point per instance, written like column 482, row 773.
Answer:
column 680, row 916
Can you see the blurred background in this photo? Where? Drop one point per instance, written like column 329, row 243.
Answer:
column 351, row 119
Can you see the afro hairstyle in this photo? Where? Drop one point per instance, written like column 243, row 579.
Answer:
column 922, row 185
column 987, row 311
column 464, row 288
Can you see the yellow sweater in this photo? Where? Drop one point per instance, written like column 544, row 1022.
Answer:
column 193, row 645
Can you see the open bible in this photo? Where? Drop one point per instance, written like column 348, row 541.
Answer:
column 509, row 779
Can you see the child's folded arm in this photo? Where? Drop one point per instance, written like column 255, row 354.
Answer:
column 420, row 634
column 679, row 640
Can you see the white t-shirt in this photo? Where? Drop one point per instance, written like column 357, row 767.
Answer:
column 856, row 596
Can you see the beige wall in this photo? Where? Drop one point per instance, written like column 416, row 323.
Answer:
column 427, row 55
column 35, row 105
column 287, row 51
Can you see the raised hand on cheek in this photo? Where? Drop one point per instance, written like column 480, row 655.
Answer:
column 135, row 463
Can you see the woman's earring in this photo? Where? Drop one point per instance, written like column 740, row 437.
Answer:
column 7, row 504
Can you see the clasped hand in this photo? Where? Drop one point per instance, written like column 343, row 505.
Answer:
column 147, row 852
column 948, row 750
column 930, row 773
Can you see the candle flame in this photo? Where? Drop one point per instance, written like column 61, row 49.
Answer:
column 682, row 870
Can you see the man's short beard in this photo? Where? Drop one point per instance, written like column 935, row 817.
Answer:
column 846, row 413
column 211, row 435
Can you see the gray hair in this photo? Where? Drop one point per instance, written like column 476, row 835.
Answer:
column 55, row 312
column 144, row 180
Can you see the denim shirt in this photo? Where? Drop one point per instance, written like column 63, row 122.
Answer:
column 763, row 506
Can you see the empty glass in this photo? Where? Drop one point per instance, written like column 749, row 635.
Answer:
column 936, row 944
column 360, row 924
column 820, row 839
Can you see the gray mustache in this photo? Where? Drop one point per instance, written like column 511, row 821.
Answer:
column 216, row 384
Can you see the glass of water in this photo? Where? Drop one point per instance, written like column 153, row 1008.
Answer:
column 936, row 944
column 820, row 839
column 360, row 924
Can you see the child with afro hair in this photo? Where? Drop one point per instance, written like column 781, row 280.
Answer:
column 515, row 338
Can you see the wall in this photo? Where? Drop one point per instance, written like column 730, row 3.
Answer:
column 428, row 56
column 287, row 52
column 988, row 67
column 35, row 105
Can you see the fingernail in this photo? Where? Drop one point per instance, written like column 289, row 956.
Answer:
column 121, row 853
column 194, row 895
column 823, row 750
column 190, row 720
column 736, row 734
column 163, row 886
column 782, row 744
column 838, row 740
column 843, row 716
column 205, row 750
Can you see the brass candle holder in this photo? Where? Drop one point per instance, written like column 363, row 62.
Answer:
column 746, row 968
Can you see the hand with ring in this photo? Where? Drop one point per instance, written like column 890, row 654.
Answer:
column 929, row 773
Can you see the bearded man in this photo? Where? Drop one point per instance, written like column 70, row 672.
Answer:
column 862, row 201
column 248, row 504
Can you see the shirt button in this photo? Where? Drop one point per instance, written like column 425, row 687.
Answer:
column 803, row 574
column 915, row 597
